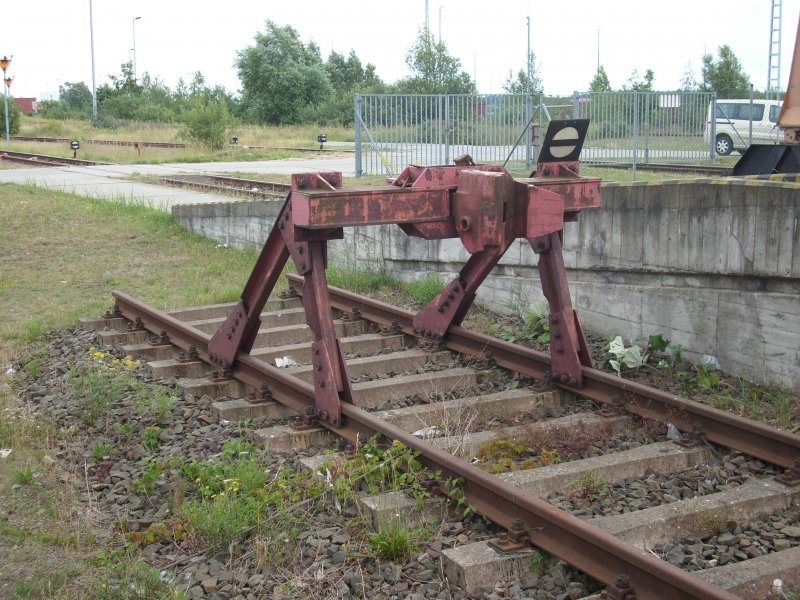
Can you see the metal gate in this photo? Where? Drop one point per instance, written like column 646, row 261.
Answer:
column 393, row 130
column 647, row 127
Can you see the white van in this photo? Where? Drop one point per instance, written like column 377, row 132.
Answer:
column 733, row 124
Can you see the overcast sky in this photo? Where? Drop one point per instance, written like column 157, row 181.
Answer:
column 50, row 38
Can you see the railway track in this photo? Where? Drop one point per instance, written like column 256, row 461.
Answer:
column 231, row 185
column 52, row 140
column 400, row 388
column 44, row 160
column 135, row 144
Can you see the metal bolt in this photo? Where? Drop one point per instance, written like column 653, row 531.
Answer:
column 517, row 524
column 623, row 582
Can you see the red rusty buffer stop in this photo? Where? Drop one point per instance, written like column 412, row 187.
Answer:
column 483, row 205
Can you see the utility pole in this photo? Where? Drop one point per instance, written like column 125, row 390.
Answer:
column 134, row 47
column 598, row 50
column 94, row 85
column 427, row 11
column 528, row 56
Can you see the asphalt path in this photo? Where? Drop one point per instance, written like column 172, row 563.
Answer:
column 112, row 182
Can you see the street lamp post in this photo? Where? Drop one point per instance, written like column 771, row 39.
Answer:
column 134, row 47
column 4, row 64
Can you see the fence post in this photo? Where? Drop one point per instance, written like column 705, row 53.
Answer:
column 648, row 97
column 635, row 131
column 575, row 108
column 359, row 166
column 529, row 137
column 750, row 120
column 446, row 130
column 713, row 126
column 439, row 118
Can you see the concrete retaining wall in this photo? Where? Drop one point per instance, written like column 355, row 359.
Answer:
column 712, row 264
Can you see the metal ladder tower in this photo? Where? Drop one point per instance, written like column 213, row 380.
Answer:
column 774, row 75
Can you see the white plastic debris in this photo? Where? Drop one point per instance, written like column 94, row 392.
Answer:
column 672, row 432
column 286, row 361
column 11, row 372
column 4, row 452
column 427, row 433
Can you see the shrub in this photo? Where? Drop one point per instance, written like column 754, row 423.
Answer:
column 14, row 117
column 207, row 123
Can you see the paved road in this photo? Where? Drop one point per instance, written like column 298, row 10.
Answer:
column 110, row 181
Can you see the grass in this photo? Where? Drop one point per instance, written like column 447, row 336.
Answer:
column 273, row 140
column 60, row 258
column 50, row 275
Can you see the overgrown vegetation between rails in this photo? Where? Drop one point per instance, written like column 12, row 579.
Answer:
column 61, row 257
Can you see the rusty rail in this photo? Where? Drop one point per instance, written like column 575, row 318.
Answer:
column 44, row 159
column 589, row 549
column 765, row 442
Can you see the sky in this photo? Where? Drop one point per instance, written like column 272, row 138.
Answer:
column 50, row 39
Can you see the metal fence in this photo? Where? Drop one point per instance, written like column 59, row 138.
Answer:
column 393, row 130
column 627, row 129
column 640, row 128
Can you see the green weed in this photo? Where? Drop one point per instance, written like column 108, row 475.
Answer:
column 146, row 484
column 150, row 437
column 378, row 468
column 393, row 542
column 425, row 290
column 101, row 450
column 589, row 487
column 26, row 476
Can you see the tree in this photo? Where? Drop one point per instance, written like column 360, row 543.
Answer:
column 688, row 82
column 725, row 75
column 639, row 84
column 281, row 76
column 207, row 122
column 522, row 84
column 434, row 71
column 348, row 75
column 14, row 116
column 600, row 81
column 75, row 96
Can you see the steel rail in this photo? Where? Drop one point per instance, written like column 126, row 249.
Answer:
column 224, row 188
column 274, row 186
column 589, row 549
column 44, row 159
column 756, row 439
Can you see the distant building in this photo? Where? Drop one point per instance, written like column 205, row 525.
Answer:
column 27, row 105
